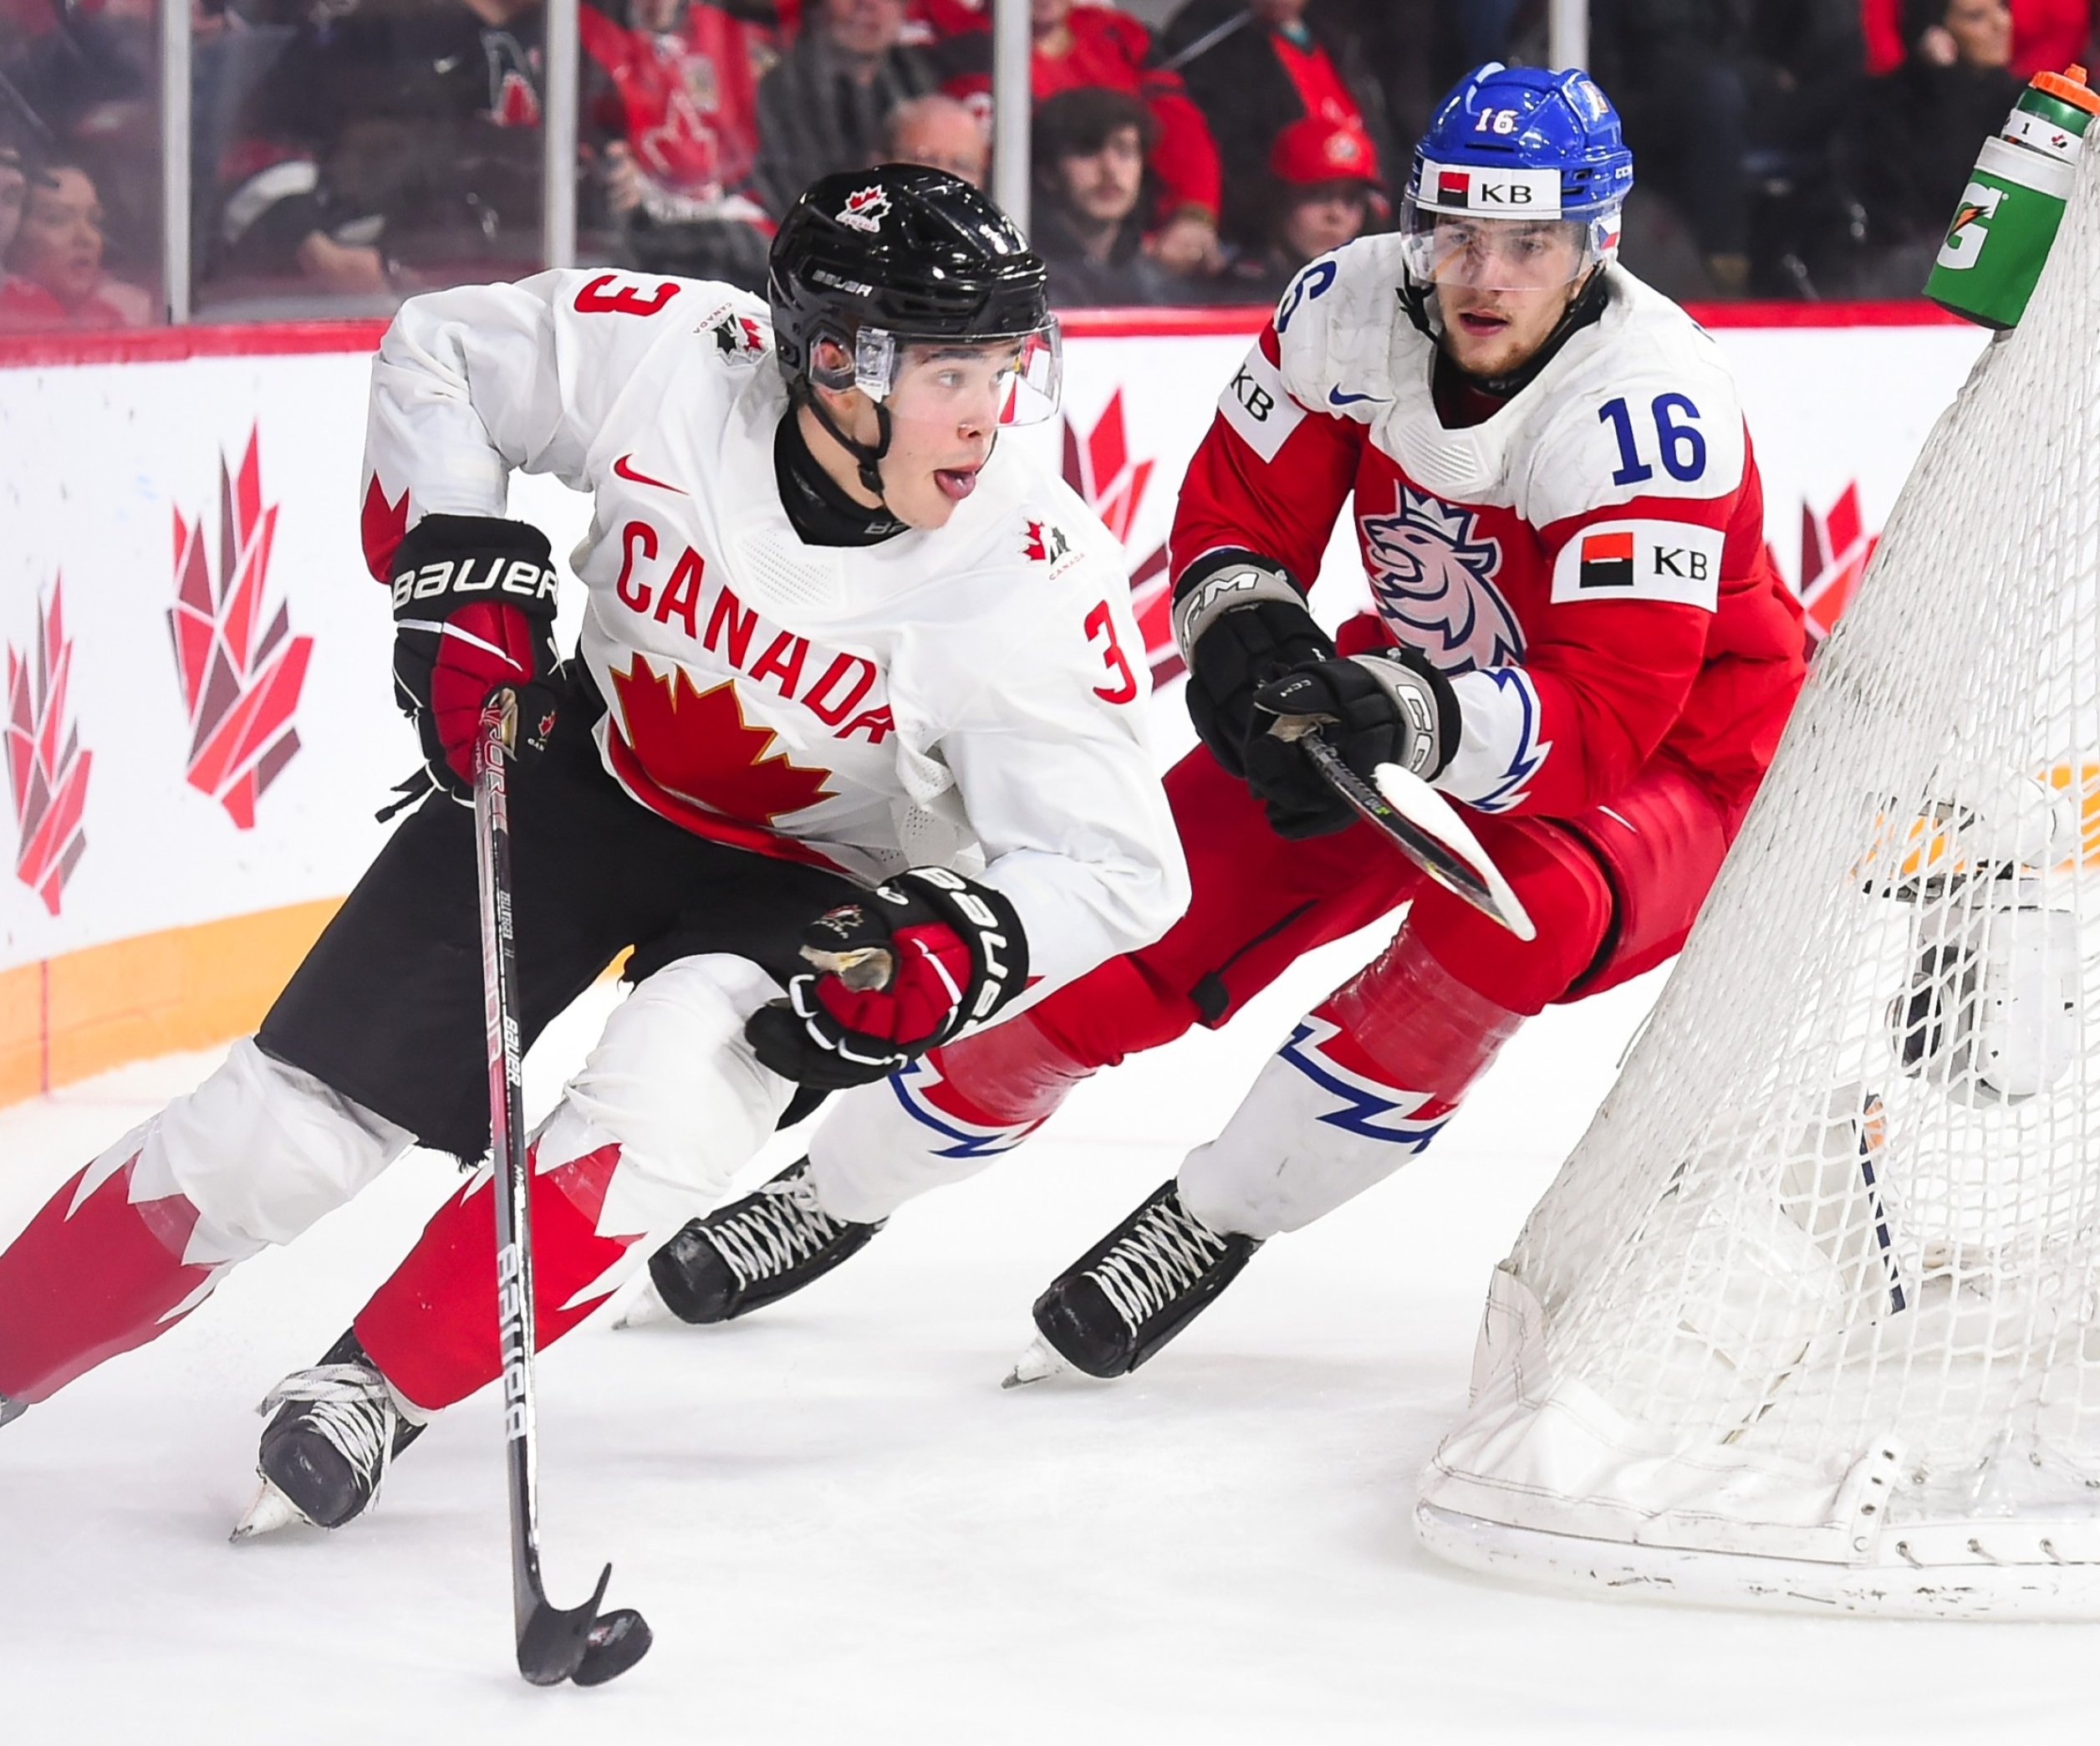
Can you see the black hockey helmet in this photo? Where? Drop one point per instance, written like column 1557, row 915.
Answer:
column 875, row 259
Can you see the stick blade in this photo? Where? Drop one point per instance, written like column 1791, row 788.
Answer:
column 1427, row 828
column 1450, row 853
column 553, row 1643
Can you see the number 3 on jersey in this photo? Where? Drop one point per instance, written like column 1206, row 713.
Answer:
column 595, row 300
column 1682, row 444
column 1101, row 626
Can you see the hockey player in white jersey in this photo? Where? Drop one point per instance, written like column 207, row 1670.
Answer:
column 1577, row 636
column 849, row 669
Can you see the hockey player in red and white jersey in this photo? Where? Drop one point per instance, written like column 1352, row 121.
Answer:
column 847, row 669
column 1577, row 636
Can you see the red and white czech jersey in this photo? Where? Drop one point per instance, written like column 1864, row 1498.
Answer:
column 972, row 694
column 1588, row 563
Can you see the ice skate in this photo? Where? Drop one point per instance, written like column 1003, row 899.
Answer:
column 1127, row 1296
column 747, row 1254
column 11, row 1411
column 324, row 1454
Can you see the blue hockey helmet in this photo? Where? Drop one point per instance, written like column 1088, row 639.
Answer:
column 1523, row 144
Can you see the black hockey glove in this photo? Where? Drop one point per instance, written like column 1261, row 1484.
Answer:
column 923, row 956
column 1391, row 708
column 1240, row 621
column 473, row 613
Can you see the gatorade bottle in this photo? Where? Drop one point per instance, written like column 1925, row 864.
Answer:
column 2009, row 213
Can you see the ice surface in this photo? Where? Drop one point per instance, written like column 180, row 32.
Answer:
column 844, row 1531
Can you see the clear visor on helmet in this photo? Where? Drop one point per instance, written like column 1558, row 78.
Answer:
column 1467, row 250
column 1010, row 380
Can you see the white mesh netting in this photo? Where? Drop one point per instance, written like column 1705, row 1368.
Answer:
column 1810, row 1313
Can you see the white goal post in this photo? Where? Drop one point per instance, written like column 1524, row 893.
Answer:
column 1809, row 1318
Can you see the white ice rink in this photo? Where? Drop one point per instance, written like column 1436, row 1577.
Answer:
column 842, row 1531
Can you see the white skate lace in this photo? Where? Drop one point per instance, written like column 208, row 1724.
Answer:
column 349, row 1405
column 1165, row 1252
column 782, row 1225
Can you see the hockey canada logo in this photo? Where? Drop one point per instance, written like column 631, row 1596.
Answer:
column 241, row 676
column 1834, row 550
column 1100, row 467
column 1046, row 542
column 865, row 209
column 738, row 336
column 1433, row 581
column 46, row 770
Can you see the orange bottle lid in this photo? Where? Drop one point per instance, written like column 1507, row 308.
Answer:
column 2069, row 86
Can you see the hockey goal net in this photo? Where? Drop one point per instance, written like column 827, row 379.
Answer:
column 1809, row 1315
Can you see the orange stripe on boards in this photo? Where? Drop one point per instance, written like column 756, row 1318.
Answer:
column 67, row 1019
column 186, row 987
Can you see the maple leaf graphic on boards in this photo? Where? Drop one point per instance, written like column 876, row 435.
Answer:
column 698, row 746
column 46, row 770
column 1834, row 550
column 240, row 683
column 1098, row 466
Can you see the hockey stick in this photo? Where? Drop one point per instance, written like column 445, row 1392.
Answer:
column 1420, row 822
column 553, row 1644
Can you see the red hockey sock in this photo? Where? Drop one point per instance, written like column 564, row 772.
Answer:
column 95, row 1273
column 431, row 1327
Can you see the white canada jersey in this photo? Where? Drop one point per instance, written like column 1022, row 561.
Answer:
column 972, row 696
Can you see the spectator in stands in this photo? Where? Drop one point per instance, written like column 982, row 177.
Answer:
column 1254, row 68
column 941, row 132
column 1323, row 179
column 421, row 122
column 678, row 96
column 1077, row 46
column 1915, row 134
column 55, row 275
column 2047, row 35
column 824, row 107
column 1729, row 107
column 14, row 193
column 1088, row 221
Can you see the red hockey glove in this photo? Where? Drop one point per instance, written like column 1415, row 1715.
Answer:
column 473, row 613
column 926, row 955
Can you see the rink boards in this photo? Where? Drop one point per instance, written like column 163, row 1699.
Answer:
column 199, row 717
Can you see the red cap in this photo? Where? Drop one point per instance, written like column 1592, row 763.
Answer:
column 1311, row 150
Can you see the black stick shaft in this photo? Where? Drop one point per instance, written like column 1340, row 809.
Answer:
column 512, row 1190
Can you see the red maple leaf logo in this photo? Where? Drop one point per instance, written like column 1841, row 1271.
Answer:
column 1834, row 550
column 1100, row 469
column 240, row 687
column 697, row 747
column 46, row 770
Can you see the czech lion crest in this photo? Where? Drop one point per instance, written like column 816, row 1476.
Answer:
column 1434, row 583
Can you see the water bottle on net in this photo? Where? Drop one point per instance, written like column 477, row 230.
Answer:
column 2008, row 213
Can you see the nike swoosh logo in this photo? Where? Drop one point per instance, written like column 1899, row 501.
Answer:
column 1335, row 397
column 622, row 470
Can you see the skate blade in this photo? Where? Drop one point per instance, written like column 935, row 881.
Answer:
column 270, row 1511
column 646, row 1306
column 1038, row 1364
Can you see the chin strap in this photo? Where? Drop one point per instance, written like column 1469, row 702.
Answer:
column 867, row 459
